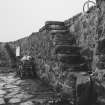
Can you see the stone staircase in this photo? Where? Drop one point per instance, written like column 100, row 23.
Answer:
column 68, row 53
column 65, row 46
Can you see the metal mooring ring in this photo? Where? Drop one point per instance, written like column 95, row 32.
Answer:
column 87, row 3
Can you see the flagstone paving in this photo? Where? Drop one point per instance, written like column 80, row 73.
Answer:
column 14, row 91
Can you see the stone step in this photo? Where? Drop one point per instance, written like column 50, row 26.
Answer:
column 56, row 27
column 67, row 49
column 64, row 38
column 71, row 59
column 76, row 67
column 54, row 23
column 65, row 43
column 58, row 31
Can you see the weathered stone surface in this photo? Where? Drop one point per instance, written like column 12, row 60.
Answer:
column 25, row 92
column 71, row 59
column 56, row 27
column 27, row 103
column 12, row 94
column 100, row 47
column 14, row 100
column 54, row 23
column 2, row 92
column 58, row 31
column 69, row 40
column 2, row 102
column 63, row 43
column 87, row 28
column 67, row 49
column 66, row 36
column 11, row 86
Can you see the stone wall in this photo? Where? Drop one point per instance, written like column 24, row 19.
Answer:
column 5, row 60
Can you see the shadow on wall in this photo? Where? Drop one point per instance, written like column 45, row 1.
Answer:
column 11, row 55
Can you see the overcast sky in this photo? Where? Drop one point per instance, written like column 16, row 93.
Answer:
column 19, row 18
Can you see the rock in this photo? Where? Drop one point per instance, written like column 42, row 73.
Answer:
column 2, row 84
column 11, row 86
column 23, row 96
column 1, row 95
column 14, row 90
column 14, row 100
column 2, row 92
column 11, row 94
column 17, row 82
column 2, row 101
column 27, row 103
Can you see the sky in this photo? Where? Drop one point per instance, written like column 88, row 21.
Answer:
column 19, row 18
